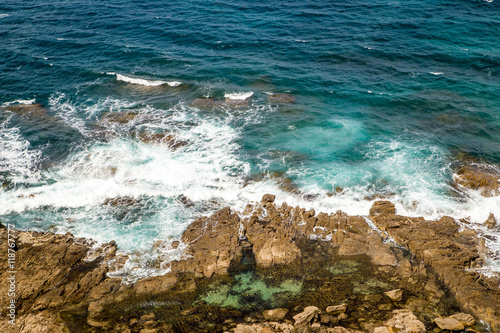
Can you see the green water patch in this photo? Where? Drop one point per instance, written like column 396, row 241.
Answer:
column 249, row 290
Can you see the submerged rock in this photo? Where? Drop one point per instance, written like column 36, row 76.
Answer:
column 35, row 110
column 122, row 117
column 167, row 138
column 281, row 98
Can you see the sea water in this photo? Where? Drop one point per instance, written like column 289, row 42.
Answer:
column 387, row 95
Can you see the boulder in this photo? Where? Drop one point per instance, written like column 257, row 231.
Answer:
column 395, row 295
column 480, row 176
column 465, row 318
column 404, row 321
column 336, row 309
column 275, row 314
column 382, row 208
column 306, row 317
column 491, row 221
column 450, row 324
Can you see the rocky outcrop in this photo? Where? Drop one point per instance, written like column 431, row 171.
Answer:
column 474, row 174
column 450, row 254
column 309, row 273
column 51, row 271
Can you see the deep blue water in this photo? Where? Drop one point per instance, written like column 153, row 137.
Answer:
column 388, row 94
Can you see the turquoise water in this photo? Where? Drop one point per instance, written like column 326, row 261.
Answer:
column 388, row 93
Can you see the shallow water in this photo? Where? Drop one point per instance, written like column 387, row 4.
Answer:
column 387, row 94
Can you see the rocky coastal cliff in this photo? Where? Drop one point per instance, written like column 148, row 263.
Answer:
column 270, row 268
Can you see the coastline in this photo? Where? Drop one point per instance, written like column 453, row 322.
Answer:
column 390, row 272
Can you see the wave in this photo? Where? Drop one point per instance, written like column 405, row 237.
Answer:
column 17, row 161
column 20, row 101
column 239, row 96
column 4, row 15
column 165, row 189
column 144, row 82
column 436, row 73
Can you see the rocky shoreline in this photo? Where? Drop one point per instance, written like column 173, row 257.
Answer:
column 269, row 268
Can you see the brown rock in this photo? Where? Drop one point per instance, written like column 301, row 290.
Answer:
column 277, row 250
column 306, row 317
column 404, row 321
column 118, row 117
column 166, row 138
column 281, row 98
column 336, row 309
column 477, row 175
column 449, row 323
column 396, row 295
column 28, row 110
column 491, row 221
column 382, row 208
column 465, row 318
column 275, row 314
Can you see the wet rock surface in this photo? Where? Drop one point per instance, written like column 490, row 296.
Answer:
column 270, row 268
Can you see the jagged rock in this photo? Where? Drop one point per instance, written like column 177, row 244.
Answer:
column 304, row 318
column 336, row 309
column 477, row 175
column 404, row 321
column 491, row 221
column 275, row 314
column 396, row 295
column 382, row 208
column 465, row 318
column 277, row 250
column 449, row 323
column 167, row 138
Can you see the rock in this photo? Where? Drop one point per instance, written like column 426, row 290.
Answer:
column 166, row 138
column 281, row 98
column 268, row 198
column 395, row 295
column 382, row 208
column 120, row 201
column 336, row 309
column 121, row 117
column 148, row 317
column 449, row 323
column 477, row 175
column 491, row 221
column 465, row 318
column 275, row 314
column 342, row 316
column 277, row 250
column 306, row 317
column 404, row 321
column 28, row 110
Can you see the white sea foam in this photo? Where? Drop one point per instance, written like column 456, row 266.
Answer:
column 239, row 96
column 16, row 157
column 4, row 15
column 144, row 82
column 210, row 172
column 20, row 101
column 436, row 73
column 68, row 113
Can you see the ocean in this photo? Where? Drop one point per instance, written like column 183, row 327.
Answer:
column 382, row 99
